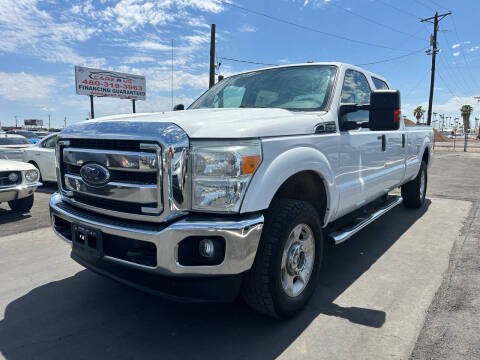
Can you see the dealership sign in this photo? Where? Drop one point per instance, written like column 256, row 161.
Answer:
column 109, row 83
column 33, row 122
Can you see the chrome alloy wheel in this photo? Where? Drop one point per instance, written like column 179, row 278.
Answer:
column 297, row 260
column 422, row 184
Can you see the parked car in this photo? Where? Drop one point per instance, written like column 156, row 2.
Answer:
column 18, row 182
column 12, row 146
column 42, row 156
column 31, row 136
column 240, row 192
column 41, row 134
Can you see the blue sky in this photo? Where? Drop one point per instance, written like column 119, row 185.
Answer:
column 41, row 41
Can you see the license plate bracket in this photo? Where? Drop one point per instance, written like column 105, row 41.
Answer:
column 87, row 239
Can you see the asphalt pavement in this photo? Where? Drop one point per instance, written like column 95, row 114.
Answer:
column 386, row 292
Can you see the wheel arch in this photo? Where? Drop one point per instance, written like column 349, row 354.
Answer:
column 303, row 167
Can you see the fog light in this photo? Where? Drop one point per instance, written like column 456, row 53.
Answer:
column 206, row 248
column 13, row 177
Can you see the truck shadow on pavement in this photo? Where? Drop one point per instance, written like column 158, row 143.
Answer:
column 87, row 316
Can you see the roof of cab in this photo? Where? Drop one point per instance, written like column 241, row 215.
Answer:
column 331, row 63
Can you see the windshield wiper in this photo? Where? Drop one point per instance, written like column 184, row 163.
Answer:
column 253, row 106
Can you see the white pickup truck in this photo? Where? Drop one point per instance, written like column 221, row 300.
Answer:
column 240, row 192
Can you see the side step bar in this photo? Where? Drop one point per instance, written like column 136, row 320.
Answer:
column 344, row 234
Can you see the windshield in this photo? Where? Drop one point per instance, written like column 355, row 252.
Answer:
column 13, row 141
column 27, row 134
column 293, row 88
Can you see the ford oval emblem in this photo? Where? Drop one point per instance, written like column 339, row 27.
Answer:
column 95, row 175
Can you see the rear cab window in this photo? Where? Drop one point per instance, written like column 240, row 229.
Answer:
column 379, row 84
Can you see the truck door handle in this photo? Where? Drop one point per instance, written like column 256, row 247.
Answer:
column 403, row 140
column 384, row 141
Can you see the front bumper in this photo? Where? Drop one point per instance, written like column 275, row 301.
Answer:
column 18, row 192
column 241, row 234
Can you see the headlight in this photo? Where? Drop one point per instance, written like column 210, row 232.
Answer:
column 31, row 175
column 221, row 173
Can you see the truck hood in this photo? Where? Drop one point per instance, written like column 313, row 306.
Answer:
column 222, row 123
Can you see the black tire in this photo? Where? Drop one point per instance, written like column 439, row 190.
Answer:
column 262, row 288
column 23, row 205
column 412, row 195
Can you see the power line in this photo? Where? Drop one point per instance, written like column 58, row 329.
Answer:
column 448, row 88
column 452, row 75
column 394, row 58
column 471, row 85
column 425, row 5
column 371, row 20
column 398, row 9
column 415, row 86
column 437, row 4
column 304, row 27
column 246, row 61
column 474, row 81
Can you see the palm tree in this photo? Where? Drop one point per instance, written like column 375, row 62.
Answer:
column 466, row 111
column 418, row 113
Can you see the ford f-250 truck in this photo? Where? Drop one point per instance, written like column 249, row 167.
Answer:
column 240, row 192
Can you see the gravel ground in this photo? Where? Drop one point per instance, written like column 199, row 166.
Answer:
column 452, row 326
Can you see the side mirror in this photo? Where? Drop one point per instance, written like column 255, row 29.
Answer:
column 179, row 107
column 385, row 111
column 345, row 109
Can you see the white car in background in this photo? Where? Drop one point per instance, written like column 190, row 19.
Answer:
column 18, row 182
column 12, row 146
column 42, row 156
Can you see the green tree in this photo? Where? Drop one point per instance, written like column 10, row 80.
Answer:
column 466, row 111
column 418, row 113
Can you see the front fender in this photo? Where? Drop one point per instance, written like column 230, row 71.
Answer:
column 273, row 173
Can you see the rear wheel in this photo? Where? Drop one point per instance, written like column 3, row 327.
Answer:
column 285, row 272
column 23, row 205
column 413, row 192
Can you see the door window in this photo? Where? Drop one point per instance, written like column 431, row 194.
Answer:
column 50, row 142
column 356, row 90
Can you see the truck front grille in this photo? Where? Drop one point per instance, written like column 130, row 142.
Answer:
column 107, row 144
column 134, row 187
column 6, row 182
column 130, row 177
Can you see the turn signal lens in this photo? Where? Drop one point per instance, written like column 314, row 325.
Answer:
column 250, row 163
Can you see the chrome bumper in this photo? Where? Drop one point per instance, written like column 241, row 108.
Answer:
column 241, row 235
column 18, row 191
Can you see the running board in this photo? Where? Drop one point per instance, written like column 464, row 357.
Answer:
column 344, row 234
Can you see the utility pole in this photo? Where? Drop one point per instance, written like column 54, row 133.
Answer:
column 92, row 114
column 49, row 122
column 212, row 57
column 433, row 42
column 171, row 83
column 64, row 122
column 16, row 121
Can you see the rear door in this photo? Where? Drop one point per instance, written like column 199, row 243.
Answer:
column 394, row 149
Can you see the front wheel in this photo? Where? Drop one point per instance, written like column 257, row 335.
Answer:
column 23, row 205
column 413, row 192
column 286, row 268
